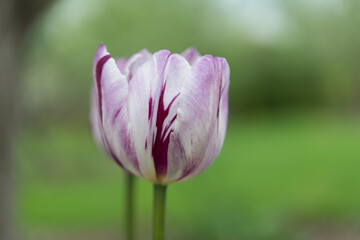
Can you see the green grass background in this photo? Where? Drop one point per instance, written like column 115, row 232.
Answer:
column 274, row 177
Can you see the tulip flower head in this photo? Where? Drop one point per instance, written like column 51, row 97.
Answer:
column 160, row 116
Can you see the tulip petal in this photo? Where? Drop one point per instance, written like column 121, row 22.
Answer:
column 95, row 121
column 216, row 142
column 191, row 55
column 111, row 90
column 129, row 66
column 152, row 103
column 176, row 69
column 121, row 64
column 223, row 107
column 197, row 129
column 141, row 100
column 134, row 62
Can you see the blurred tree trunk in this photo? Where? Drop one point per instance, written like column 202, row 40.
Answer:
column 16, row 18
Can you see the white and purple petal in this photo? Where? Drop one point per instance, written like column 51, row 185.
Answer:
column 196, row 123
column 153, row 95
column 111, row 90
column 172, row 78
column 218, row 129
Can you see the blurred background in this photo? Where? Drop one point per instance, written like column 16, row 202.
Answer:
column 289, row 168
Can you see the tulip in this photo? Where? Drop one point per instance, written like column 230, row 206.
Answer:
column 161, row 116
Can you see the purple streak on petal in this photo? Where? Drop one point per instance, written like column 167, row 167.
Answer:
column 129, row 148
column 114, row 156
column 99, row 68
column 218, row 107
column 150, row 108
column 115, row 115
column 173, row 119
column 189, row 168
column 161, row 143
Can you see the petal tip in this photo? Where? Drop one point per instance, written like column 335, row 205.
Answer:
column 101, row 52
column 192, row 50
column 162, row 52
column 101, row 47
column 191, row 55
column 144, row 51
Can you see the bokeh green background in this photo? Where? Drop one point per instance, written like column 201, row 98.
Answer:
column 289, row 168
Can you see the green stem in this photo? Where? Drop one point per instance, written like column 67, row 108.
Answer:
column 129, row 207
column 159, row 211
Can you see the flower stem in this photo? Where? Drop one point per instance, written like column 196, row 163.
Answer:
column 159, row 211
column 129, row 207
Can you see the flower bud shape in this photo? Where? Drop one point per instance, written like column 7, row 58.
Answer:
column 160, row 116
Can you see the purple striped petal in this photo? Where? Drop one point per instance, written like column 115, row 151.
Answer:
column 198, row 132
column 111, row 89
column 167, row 112
column 141, row 104
column 218, row 132
column 153, row 100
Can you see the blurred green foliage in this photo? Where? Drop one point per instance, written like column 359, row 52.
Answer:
column 313, row 62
